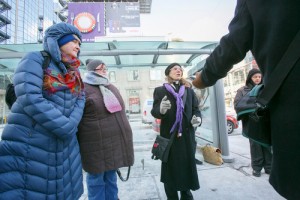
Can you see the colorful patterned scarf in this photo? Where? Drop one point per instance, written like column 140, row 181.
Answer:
column 56, row 81
column 180, row 107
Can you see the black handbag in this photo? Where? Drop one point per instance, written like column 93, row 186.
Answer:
column 252, row 109
column 161, row 148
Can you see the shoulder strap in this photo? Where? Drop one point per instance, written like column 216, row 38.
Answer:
column 282, row 69
column 47, row 59
column 120, row 174
column 169, row 146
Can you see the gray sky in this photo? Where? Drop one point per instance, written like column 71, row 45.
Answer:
column 191, row 20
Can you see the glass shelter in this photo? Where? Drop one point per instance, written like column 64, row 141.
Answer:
column 136, row 66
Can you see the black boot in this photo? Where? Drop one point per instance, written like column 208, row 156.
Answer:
column 256, row 173
column 198, row 162
column 186, row 195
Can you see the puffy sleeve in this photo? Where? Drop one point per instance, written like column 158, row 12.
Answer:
column 232, row 48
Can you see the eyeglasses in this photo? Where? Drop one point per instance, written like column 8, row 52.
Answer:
column 103, row 69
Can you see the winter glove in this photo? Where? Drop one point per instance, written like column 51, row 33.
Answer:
column 164, row 105
column 196, row 121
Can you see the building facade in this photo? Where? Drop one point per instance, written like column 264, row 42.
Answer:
column 25, row 21
column 236, row 78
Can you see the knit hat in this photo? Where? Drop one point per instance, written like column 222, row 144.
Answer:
column 93, row 64
column 87, row 61
column 168, row 69
column 67, row 38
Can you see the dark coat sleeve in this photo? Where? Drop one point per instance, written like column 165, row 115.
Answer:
column 195, row 105
column 232, row 48
column 238, row 96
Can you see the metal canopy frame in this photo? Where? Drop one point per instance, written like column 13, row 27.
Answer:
column 123, row 53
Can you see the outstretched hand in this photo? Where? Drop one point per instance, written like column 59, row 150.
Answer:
column 197, row 82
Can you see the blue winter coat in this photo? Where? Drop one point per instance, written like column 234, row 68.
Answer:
column 39, row 152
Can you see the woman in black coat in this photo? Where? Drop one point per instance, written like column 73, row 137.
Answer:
column 177, row 107
column 261, row 157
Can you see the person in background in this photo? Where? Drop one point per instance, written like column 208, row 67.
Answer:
column 177, row 107
column 261, row 157
column 266, row 28
column 105, row 136
column 39, row 151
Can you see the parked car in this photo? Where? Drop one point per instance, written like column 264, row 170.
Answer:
column 232, row 124
column 156, row 125
column 147, row 118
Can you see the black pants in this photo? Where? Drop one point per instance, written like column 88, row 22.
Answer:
column 261, row 157
column 173, row 194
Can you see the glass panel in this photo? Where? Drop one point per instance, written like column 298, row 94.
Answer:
column 136, row 59
column 188, row 45
column 110, row 61
column 205, row 130
column 95, row 46
column 138, row 45
column 182, row 58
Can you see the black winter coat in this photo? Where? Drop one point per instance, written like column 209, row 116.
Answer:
column 180, row 172
column 266, row 28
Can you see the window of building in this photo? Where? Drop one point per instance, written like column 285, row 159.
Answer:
column 238, row 77
column 112, row 76
column 133, row 75
column 134, row 101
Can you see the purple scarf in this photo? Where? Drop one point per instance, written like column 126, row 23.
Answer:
column 179, row 104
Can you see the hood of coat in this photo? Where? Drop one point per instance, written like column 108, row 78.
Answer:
column 53, row 33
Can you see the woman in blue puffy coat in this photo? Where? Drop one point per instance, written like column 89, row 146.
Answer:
column 39, row 152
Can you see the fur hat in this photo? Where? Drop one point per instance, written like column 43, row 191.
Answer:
column 168, row 69
column 93, row 64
